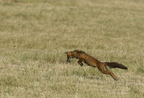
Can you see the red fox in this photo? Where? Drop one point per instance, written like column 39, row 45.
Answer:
column 91, row 61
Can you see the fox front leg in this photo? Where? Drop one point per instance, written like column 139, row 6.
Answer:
column 80, row 62
column 68, row 59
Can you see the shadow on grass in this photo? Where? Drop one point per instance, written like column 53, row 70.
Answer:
column 93, row 78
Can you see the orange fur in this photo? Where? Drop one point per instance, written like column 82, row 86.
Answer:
column 91, row 61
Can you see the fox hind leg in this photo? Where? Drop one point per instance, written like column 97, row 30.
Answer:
column 110, row 73
column 104, row 70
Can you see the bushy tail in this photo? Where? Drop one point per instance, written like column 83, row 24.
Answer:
column 115, row 65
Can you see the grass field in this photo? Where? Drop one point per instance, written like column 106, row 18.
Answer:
column 34, row 34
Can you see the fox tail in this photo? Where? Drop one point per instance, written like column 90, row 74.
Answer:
column 115, row 65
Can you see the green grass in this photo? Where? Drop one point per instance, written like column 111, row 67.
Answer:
column 34, row 34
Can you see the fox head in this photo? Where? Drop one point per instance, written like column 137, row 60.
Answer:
column 69, row 55
column 72, row 54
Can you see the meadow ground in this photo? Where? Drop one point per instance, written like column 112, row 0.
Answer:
column 35, row 34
